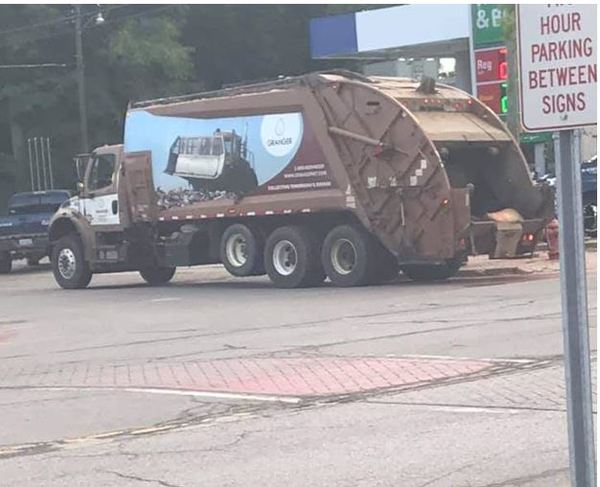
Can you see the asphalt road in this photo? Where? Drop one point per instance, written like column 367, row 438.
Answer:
column 223, row 382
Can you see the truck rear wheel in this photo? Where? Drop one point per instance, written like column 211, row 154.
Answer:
column 5, row 263
column 348, row 256
column 70, row 269
column 155, row 276
column 242, row 251
column 430, row 272
column 292, row 258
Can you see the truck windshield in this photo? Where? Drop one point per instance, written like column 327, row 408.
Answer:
column 228, row 143
column 217, row 148
column 200, row 146
column 102, row 171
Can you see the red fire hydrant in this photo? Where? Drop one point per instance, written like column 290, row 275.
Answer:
column 552, row 239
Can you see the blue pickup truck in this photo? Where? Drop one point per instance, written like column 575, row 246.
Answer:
column 24, row 232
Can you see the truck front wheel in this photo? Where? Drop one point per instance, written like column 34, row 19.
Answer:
column 70, row 269
column 292, row 258
column 5, row 262
column 348, row 256
column 242, row 251
column 155, row 276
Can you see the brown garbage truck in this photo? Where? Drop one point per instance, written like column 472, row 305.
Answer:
column 326, row 175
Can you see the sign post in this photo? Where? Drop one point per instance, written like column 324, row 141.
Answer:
column 557, row 65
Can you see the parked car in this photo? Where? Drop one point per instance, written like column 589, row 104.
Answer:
column 588, row 194
column 24, row 232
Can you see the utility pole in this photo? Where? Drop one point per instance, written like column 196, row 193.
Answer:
column 81, row 80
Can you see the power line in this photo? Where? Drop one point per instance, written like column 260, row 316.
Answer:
column 35, row 26
column 59, row 21
column 112, row 22
column 24, row 66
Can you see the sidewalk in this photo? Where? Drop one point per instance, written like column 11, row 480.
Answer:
column 481, row 265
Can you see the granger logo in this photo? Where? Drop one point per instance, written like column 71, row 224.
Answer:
column 281, row 133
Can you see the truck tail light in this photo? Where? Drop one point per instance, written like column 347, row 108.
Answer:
column 528, row 237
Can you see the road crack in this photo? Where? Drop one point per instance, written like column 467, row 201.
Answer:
column 515, row 482
column 142, row 479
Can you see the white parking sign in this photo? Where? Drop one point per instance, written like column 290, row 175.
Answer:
column 557, row 66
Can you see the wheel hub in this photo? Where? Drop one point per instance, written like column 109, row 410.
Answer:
column 67, row 264
column 343, row 256
column 285, row 257
column 236, row 250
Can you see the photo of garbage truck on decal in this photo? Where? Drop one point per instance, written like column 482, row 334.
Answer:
column 218, row 162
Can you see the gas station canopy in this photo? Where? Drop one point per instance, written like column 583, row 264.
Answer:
column 416, row 31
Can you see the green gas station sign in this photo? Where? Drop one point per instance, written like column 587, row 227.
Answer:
column 487, row 24
column 535, row 138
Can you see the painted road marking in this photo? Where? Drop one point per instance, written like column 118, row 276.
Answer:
column 168, row 391
column 486, row 359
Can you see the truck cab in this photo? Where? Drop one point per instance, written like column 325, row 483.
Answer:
column 98, row 200
column 86, row 233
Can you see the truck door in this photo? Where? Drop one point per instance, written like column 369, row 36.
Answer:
column 100, row 201
column 139, row 186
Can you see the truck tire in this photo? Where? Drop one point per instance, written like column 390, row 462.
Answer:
column 291, row 258
column 348, row 256
column 70, row 269
column 5, row 263
column 242, row 251
column 155, row 276
column 431, row 272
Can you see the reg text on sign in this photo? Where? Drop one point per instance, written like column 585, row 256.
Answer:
column 558, row 66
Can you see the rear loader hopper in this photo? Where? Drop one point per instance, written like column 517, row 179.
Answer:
column 352, row 177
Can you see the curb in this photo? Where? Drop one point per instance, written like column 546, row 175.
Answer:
column 498, row 271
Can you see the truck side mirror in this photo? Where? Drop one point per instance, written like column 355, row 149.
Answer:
column 81, row 161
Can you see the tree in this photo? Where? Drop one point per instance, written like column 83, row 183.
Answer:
column 140, row 52
column 134, row 55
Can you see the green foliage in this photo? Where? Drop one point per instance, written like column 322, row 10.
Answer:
column 152, row 44
column 140, row 52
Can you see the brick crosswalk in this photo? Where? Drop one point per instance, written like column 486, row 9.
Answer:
column 310, row 376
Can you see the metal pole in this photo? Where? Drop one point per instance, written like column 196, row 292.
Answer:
column 30, row 163
column 43, row 154
column 50, row 163
column 574, row 315
column 37, row 164
column 81, row 80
